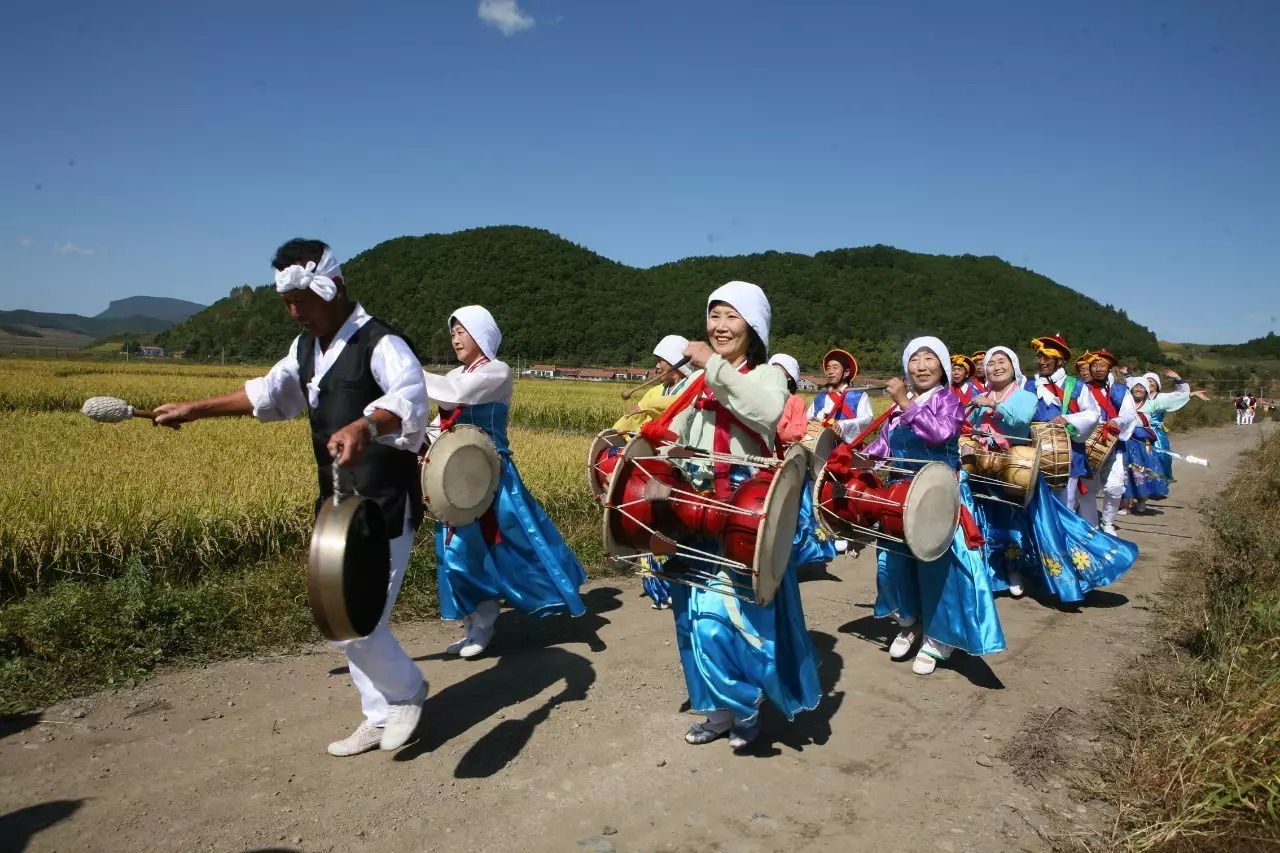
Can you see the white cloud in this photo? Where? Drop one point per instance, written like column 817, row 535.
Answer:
column 64, row 248
column 506, row 15
column 24, row 242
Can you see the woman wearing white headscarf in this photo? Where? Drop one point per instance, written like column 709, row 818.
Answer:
column 735, row 653
column 1045, row 545
column 948, row 602
column 514, row 551
column 1157, row 405
column 669, row 352
column 1144, row 475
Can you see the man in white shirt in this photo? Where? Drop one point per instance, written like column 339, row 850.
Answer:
column 362, row 387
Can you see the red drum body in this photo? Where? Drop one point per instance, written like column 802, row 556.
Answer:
column 650, row 507
column 602, row 458
column 921, row 510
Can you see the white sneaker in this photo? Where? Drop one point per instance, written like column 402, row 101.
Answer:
column 1109, row 529
column 1015, row 584
column 1122, row 511
column 402, row 719
column 456, row 647
column 901, row 645
column 363, row 739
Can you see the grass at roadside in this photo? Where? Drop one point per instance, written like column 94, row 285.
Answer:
column 1198, row 764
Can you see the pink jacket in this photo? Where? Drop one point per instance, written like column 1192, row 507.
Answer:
column 794, row 420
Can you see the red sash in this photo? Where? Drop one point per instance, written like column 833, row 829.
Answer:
column 1104, row 401
column 841, row 409
column 698, row 395
column 1072, row 407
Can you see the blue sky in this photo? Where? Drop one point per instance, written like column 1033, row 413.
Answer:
column 1128, row 150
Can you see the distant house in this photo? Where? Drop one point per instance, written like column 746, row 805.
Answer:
column 151, row 352
column 809, row 383
column 543, row 371
column 178, row 353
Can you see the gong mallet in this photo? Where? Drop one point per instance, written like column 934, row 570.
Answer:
column 626, row 395
column 112, row 410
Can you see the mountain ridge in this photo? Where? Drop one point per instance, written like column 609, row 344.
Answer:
column 560, row 301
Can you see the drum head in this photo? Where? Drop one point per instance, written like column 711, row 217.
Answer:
column 823, row 445
column 931, row 511
column 638, row 447
column 1024, row 474
column 460, row 475
column 778, row 526
column 604, row 440
column 349, row 568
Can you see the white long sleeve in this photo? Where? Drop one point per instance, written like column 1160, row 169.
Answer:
column 491, row 382
column 279, row 395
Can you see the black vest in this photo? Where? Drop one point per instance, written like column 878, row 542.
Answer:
column 387, row 475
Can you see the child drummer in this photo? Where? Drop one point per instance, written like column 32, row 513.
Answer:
column 736, row 653
column 514, row 551
column 361, row 386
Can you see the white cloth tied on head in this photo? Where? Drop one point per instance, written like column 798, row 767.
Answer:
column 1154, row 378
column 318, row 278
column 1135, row 382
column 789, row 364
column 1013, row 357
column 671, row 350
column 749, row 301
column 480, row 324
column 932, row 344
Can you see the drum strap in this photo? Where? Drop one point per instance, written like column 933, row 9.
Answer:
column 1074, row 405
column 839, row 411
column 973, row 537
column 1104, row 401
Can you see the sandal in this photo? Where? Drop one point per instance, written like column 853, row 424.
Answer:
column 705, row 732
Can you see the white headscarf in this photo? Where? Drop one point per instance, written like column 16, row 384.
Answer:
column 1013, row 357
column 930, row 343
column 1137, row 382
column 749, row 301
column 318, row 278
column 789, row 364
column 671, row 350
column 480, row 324
column 1156, row 377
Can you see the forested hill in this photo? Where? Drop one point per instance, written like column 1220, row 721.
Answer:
column 557, row 301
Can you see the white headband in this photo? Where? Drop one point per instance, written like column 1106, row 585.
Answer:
column 480, row 324
column 931, row 343
column 789, row 364
column 318, row 278
column 1013, row 359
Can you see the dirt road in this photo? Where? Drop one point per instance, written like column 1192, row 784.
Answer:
column 569, row 736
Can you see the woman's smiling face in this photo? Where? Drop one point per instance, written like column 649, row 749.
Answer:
column 728, row 332
column 925, row 370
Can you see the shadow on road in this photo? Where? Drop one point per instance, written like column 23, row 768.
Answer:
column 18, row 827
column 809, row 728
column 15, row 723
column 517, row 677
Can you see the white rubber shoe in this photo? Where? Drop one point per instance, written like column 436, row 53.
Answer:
column 402, row 720
column 456, row 647
column 482, row 625
column 363, row 739
column 901, row 645
column 1016, row 582
column 1109, row 529
column 931, row 651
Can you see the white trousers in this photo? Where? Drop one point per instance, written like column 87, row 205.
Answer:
column 381, row 671
column 1240, row 417
column 1111, row 479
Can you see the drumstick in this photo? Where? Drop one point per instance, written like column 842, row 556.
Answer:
column 626, row 395
column 111, row 410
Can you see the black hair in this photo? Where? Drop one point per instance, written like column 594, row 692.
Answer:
column 791, row 383
column 299, row 251
column 757, row 352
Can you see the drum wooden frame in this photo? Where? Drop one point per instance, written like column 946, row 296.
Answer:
column 1055, row 453
column 1008, row 476
column 650, row 507
column 460, row 474
column 1099, row 446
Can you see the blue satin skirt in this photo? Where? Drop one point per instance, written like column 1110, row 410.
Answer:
column 1144, row 473
column 812, row 544
column 1074, row 557
column 951, row 596
column 1010, row 546
column 736, row 653
column 1163, row 443
column 531, row 566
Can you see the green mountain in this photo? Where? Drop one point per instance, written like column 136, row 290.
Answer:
column 160, row 307
column 557, row 301
column 94, row 327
